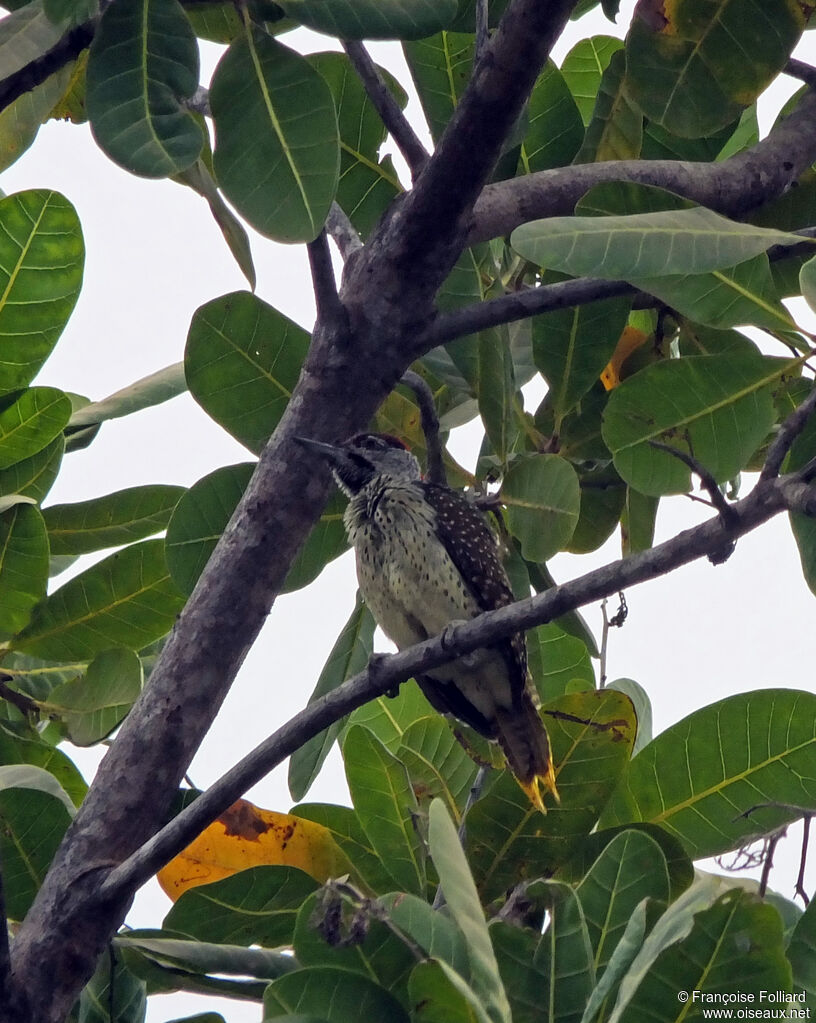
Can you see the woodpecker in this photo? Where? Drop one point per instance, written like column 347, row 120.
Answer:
column 426, row 558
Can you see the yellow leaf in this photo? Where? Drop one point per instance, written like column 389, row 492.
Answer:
column 630, row 340
column 247, row 836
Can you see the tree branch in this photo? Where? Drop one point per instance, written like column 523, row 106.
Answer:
column 734, row 186
column 768, row 498
column 35, row 73
column 329, row 306
column 430, row 425
column 416, row 156
column 342, row 231
column 788, row 432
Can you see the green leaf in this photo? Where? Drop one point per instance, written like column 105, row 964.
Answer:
column 463, row 901
column 583, row 67
column 257, row 906
column 20, row 121
column 126, row 600
column 386, row 806
column 762, row 742
column 615, row 131
column 440, row 66
column 41, row 262
column 34, row 814
column 643, row 709
column 801, row 953
column 603, row 495
column 331, row 994
column 556, row 660
column 631, row 868
column 33, row 477
column 686, row 241
column 718, row 406
column 203, row 512
column 23, row 566
column 350, row 654
column 30, row 422
column 508, row 840
column 373, row 19
column 242, row 362
column 551, row 974
column 572, row 346
column 17, row 750
column 389, row 718
column 113, row 994
column 437, row 764
column 555, row 130
column 436, row 934
column 496, row 392
column 440, row 995
column 143, row 63
column 277, row 149
column 26, row 35
column 807, row 280
column 94, row 704
column 543, row 499
column 733, row 946
column 637, row 522
column 367, row 184
column 347, row 832
column 145, row 393
column 109, row 521
column 681, row 68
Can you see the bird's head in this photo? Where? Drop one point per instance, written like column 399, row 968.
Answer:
column 358, row 461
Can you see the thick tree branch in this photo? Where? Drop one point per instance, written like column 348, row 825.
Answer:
column 35, row 73
column 733, row 187
column 767, row 499
column 400, row 130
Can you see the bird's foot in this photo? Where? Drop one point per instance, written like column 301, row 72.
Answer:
column 448, row 635
column 375, row 665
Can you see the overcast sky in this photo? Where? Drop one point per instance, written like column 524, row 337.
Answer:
column 153, row 256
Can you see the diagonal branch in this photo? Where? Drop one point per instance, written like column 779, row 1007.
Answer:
column 392, row 117
column 36, row 71
column 767, row 499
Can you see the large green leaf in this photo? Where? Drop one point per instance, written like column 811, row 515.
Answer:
column 41, row 260
column 694, row 240
column 615, row 131
column 733, row 946
column 508, row 840
column 683, row 69
column 34, row 814
column 718, row 407
column 572, row 346
column 437, row 764
column 801, row 954
column 242, row 362
column 435, row 933
column 555, row 130
column 17, row 750
column 439, row 994
column 151, row 390
column 440, row 66
column 34, row 476
column 126, row 600
column 143, row 63
column 23, row 566
column 583, row 68
column 350, row 654
column 631, row 868
column 386, row 807
column 258, row 906
column 463, row 901
column 389, row 717
column 277, row 149
column 725, row 774
column 373, row 19
column 550, row 975
column 26, row 35
column 542, row 498
column 496, row 392
column 30, row 422
column 203, row 512
column 20, row 121
column 93, row 705
column 330, row 994
column 113, row 994
column 367, row 184
column 109, row 521
column 557, row 661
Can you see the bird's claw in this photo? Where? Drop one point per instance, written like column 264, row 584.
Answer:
column 448, row 635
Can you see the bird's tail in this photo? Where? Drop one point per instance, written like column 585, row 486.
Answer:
column 526, row 745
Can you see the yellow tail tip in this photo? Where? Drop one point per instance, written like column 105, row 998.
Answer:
column 533, row 788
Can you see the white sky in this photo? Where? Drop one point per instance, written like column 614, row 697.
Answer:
column 153, row 256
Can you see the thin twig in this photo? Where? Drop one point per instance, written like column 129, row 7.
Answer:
column 329, row 307
column 770, row 847
column 23, row 703
column 788, row 432
column 416, row 156
column 343, row 232
column 430, row 425
column 799, row 887
column 724, row 509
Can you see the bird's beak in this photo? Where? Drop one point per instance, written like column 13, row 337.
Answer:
column 332, row 453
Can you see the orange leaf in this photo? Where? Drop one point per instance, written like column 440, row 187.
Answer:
column 247, row 836
column 630, row 340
